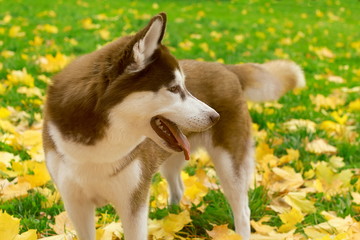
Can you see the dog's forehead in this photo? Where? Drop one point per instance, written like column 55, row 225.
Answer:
column 179, row 76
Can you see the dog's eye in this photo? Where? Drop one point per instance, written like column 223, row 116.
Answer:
column 174, row 89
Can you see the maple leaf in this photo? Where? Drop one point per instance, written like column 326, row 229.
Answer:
column 296, row 124
column 110, row 231
column 329, row 181
column 14, row 190
column 285, row 179
column 335, row 228
column 298, row 200
column 222, row 232
column 16, row 77
column 62, row 224
column 195, row 190
column 354, row 105
column 51, row 63
column 262, row 228
column 9, row 226
column 88, row 24
column 292, row 155
column 320, row 146
column 167, row 227
column 29, row 235
column 39, row 177
column 290, row 219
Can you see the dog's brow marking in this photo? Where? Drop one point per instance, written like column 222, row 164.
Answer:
column 180, row 79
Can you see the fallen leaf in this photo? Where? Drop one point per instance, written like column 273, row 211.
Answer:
column 285, row 179
column 222, row 232
column 296, row 124
column 9, row 226
column 16, row 77
column 29, row 235
column 62, row 224
column 290, row 219
column 320, row 146
column 298, row 200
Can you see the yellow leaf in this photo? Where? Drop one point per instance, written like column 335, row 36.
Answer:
column 263, row 149
column 262, row 228
column 4, row 113
column 6, row 157
column 331, row 182
column 51, row 63
column 340, row 119
column 354, row 105
column 47, row 28
column 166, row 228
column 298, row 200
column 275, row 236
column 285, row 179
column 38, row 41
column 7, row 54
column 222, row 232
column 330, row 102
column 9, row 226
column 29, row 235
column 15, row 31
column 110, row 231
column 292, row 155
column 31, row 138
column 175, row 222
column 194, row 189
column 356, row 197
column 30, row 92
column 88, row 24
column 62, row 224
column 14, row 190
column 104, row 34
column 290, row 219
column 334, row 226
column 40, row 176
column 16, row 77
column 320, row 146
column 296, row 124
column 337, row 162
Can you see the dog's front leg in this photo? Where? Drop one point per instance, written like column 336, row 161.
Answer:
column 134, row 220
column 130, row 197
column 80, row 210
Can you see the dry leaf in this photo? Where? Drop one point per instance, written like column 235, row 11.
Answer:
column 222, row 232
column 320, row 146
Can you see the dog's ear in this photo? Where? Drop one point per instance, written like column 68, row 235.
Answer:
column 146, row 42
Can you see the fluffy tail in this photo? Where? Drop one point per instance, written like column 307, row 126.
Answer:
column 268, row 81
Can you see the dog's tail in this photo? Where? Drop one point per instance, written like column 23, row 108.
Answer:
column 268, row 81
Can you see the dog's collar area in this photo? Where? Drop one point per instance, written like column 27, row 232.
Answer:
column 171, row 134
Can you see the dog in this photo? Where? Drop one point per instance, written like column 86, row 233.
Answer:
column 116, row 116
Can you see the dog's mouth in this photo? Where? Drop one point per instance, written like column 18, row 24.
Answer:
column 171, row 134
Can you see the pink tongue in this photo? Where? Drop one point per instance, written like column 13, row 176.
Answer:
column 181, row 139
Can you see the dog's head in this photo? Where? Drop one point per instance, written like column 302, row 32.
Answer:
column 146, row 87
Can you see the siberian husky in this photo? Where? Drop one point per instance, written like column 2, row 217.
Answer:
column 116, row 116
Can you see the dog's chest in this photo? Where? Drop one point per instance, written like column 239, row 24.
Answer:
column 107, row 150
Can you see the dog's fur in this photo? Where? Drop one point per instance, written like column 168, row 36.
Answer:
column 102, row 135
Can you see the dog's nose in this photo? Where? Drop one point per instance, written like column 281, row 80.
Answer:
column 214, row 117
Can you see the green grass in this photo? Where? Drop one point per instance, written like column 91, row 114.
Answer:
column 263, row 27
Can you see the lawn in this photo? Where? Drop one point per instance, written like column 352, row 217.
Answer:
column 306, row 184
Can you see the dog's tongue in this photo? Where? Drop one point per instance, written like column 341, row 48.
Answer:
column 181, row 139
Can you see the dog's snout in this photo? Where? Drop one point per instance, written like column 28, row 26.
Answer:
column 214, row 117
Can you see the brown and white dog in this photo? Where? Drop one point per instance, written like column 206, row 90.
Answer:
column 116, row 116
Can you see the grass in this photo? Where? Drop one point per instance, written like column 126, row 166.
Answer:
column 322, row 36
